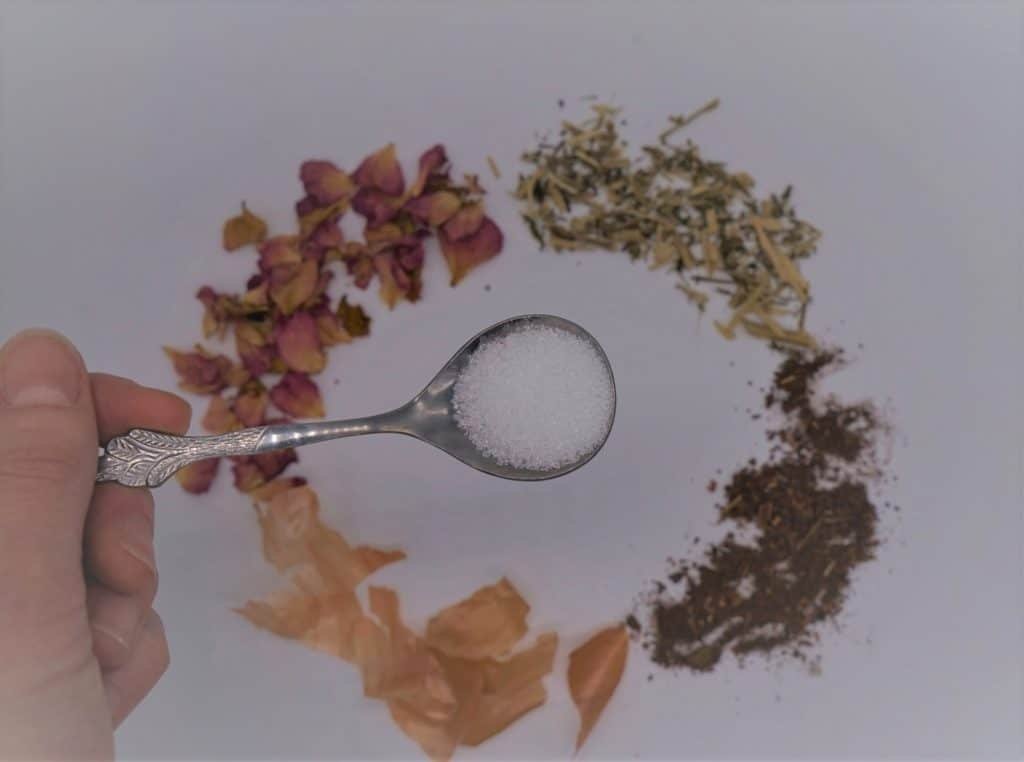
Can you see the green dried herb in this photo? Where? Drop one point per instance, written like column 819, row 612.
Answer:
column 675, row 210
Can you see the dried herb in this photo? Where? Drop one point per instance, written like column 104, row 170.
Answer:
column 673, row 209
column 816, row 524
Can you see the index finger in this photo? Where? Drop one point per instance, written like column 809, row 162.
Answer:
column 121, row 404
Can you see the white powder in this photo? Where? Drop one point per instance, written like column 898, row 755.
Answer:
column 536, row 397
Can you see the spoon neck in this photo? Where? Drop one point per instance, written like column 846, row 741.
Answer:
column 283, row 435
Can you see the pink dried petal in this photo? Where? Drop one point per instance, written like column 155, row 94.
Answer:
column 377, row 207
column 298, row 344
column 324, row 182
column 465, row 254
column 331, row 328
column 255, row 349
column 433, row 166
column 197, row 477
column 292, row 287
column 298, row 395
column 202, row 372
column 250, row 406
column 218, row 311
column 253, row 471
column 382, row 171
column 465, row 222
column 279, row 250
column 434, row 209
column 272, row 463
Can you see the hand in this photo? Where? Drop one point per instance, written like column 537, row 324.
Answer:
column 80, row 644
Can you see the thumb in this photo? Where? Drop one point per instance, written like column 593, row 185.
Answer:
column 48, row 450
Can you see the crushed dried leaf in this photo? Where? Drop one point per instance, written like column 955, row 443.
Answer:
column 674, row 209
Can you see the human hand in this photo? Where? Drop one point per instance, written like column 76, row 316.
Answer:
column 80, row 644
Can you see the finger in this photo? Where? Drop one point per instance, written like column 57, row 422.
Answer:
column 119, row 540
column 127, row 685
column 116, row 622
column 47, row 459
column 122, row 404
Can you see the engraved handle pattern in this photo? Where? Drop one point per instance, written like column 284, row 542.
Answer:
column 143, row 458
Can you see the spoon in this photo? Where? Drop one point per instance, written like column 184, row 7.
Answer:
column 144, row 458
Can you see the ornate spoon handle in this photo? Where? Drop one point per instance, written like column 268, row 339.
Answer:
column 144, row 458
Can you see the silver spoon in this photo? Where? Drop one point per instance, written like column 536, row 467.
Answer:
column 143, row 458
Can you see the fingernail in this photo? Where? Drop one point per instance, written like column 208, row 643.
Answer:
column 40, row 367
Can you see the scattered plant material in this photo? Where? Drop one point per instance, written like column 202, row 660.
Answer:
column 284, row 320
column 815, row 524
column 673, row 209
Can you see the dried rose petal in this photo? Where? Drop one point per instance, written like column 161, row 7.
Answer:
column 325, row 182
column 433, row 166
column 330, row 328
column 382, row 171
column 197, row 477
column 465, row 222
column 250, row 406
column 376, row 206
column 218, row 311
column 324, row 240
column 434, row 209
column 298, row 344
column 278, row 251
column 321, row 220
column 247, row 475
column 256, row 298
column 465, row 254
column 202, row 372
column 400, row 269
column 353, row 318
column 255, row 348
column 298, row 395
column 292, row 287
column 486, row 625
column 252, row 471
column 595, row 669
column 243, row 230
column 219, row 417
column 272, row 463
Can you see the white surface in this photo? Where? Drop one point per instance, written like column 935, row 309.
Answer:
column 129, row 132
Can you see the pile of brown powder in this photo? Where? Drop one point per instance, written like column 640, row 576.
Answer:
column 815, row 523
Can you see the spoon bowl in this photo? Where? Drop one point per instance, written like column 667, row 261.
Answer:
column 144, row 458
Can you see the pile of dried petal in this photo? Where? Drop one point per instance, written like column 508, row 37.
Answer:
column 284, row 320
column 460, row 683
column 457, row 684
column 673, row 209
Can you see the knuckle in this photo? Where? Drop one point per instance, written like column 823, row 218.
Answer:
column 36, row 466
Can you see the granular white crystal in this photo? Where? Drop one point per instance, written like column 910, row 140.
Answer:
column 537, row 397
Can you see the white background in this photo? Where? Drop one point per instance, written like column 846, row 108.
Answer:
column 129, row 132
